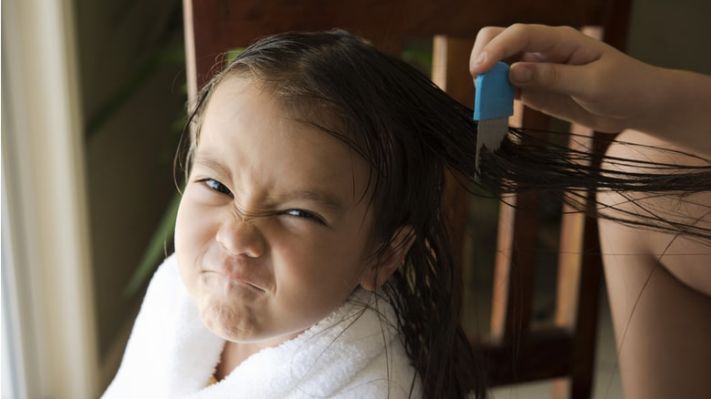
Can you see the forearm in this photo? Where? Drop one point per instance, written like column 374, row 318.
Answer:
column 681, row 110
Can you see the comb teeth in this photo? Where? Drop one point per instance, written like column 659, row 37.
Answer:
column 490, row 134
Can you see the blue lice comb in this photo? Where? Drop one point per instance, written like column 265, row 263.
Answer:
column 493, row 104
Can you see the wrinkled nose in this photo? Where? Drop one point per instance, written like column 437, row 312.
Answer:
column 239, row 236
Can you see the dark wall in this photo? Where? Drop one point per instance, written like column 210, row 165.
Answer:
column 131, row 87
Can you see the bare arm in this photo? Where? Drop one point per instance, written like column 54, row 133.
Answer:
column 683, row 112
column 562, row 72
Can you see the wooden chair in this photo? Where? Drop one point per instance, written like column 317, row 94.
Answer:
column 513, row 351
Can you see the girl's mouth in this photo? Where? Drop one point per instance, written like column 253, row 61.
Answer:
column 236, row 278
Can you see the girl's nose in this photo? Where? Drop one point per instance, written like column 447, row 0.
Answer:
column 241, row 237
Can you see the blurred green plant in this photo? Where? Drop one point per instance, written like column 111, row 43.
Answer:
column 147, row 68
column 156, row 250
column 167, row 52
column 231, row 55
column 418, row 53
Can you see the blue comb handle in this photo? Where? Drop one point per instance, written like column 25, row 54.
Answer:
column 494, row 94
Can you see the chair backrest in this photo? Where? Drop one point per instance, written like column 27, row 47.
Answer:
column 514, row 352
column 214, row 26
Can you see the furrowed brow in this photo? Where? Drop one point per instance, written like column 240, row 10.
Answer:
column 209, row 162
column 327, row 200
column 330, row 201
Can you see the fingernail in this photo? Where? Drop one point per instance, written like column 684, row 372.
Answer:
column 521, row 74
column 480, row 59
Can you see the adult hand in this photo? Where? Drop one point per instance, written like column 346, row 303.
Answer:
column 564, row 73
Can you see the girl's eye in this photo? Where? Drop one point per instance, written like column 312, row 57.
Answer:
column 300, row 213
column 216, row 186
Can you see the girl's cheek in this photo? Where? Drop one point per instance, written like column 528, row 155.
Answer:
column 195, row 227
column 199, row 209
column 180, row 225
column 307, row 248
column 183, row 249
column 184, row 224
column 299, row 239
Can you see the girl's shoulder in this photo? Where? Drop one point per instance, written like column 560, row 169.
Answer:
column 687, row 258
column 391, row 375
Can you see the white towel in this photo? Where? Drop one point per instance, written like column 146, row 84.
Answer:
column 353, row 353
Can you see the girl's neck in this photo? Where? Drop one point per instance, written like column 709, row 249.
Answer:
column 234, row 353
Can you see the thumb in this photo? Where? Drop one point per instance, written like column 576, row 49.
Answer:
column 556, row 78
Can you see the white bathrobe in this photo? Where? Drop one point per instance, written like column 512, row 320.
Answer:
column 353, row 353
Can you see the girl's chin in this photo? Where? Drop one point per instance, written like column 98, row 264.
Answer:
column 240, row 324
column 227, row 319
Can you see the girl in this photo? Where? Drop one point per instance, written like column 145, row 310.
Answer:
column 312, row 257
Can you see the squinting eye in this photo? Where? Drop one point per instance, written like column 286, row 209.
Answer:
column 216, row 186
column 300, row 213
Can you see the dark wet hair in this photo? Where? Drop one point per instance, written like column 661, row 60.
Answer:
column 412, row 134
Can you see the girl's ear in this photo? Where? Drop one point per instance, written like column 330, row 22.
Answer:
column 394, row 256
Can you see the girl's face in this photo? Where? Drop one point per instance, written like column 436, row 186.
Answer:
column 272, row 234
